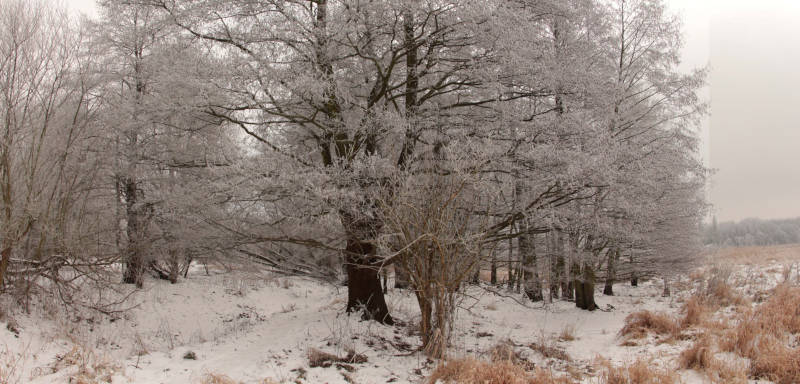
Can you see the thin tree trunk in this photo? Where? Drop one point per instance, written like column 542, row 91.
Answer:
column 569, row 257
column 493, row 276
column 611, row 273
column 556, row 266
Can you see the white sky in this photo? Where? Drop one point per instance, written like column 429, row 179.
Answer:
column 751, row 137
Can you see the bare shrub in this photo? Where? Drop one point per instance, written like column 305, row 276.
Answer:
column 638, row 324
column 438, row 243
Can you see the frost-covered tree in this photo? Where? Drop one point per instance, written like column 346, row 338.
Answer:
column 52, row 226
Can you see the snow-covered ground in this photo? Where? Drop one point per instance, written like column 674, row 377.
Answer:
column 252, row 326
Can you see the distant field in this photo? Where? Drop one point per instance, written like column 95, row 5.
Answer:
column 788, row 253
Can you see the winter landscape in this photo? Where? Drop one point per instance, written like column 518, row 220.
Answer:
column 377, row 191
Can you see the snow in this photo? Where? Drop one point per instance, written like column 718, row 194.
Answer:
column 254, row 326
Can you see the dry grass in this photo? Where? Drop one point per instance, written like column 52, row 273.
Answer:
column 639, row 324
column 567, row 333
column 91, row 368
column 640, row 372
column 763, row 336
column 217, row 378
column 756, row 255
column 721, row 293
column 699, row 355
column 317, row 358
column 695, row 311
column 504, row 351
column 550, row 351
column 473, row 371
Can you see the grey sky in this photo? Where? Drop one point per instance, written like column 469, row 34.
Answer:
column 751, row 138
column 753, row 48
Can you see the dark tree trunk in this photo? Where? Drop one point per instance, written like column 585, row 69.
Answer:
column 570, row 246
column 493, row 276
column 364, row 284
column 530, row 269
column 579, row 296
column 385, row 276
column 611, row 273
column 401, row 278
column 584, row 289
column 588, row 288
column 134, row 259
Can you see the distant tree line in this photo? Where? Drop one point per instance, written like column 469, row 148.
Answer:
column 749, row 232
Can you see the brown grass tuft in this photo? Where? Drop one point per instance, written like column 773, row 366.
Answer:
column 567, row 333
column 638, row 324
column 217, row 378
column 473, row 371
column 550, row 351
column 695, row 311
column 640, row 372
column 762, row 335
column 699, row 355
column 776, row 362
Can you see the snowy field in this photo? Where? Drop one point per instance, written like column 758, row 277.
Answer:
column 251, row 327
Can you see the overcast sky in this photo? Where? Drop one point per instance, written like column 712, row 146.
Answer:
column 751, row 137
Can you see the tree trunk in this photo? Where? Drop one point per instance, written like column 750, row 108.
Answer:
column 570, row 261
column 364, row 283
column 5, row 259
column 579, row 295
column 588, row 288
column 556, row 266
column 584, row 289
column 666, row 292
column 533, row 284
column 134, row 260
column 493, row 276
column 634, row 276
column 510, row 265
column 402, row 280
column 611, row 273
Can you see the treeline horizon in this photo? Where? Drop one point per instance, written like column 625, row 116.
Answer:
column 752, row 231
